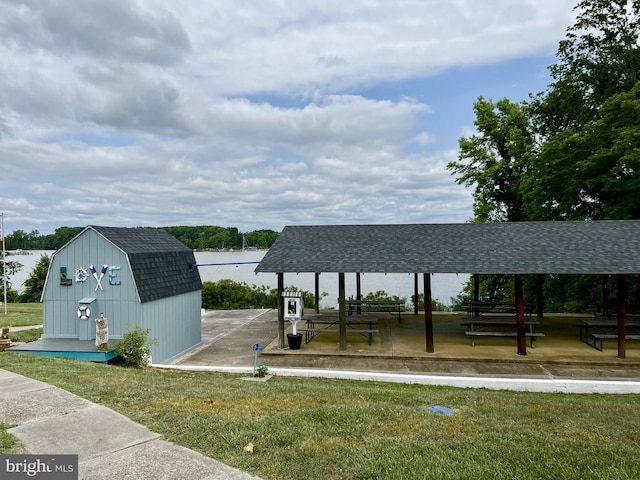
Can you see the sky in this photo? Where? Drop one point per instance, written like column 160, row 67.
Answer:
column 254, row 114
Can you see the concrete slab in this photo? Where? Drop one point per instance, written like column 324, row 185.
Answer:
column 91, row 432
column 159, row 460
column 30, row 405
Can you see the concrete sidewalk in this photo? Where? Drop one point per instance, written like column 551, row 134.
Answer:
column 232, row 352
column 53, row 421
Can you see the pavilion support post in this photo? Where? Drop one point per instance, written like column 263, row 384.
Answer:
column 428, row 313
column 520, row 321
column 476, row 293
column 415, row 293
column 342, row 312
column 317, row 291
column 540, row 295
column 358, row 291
column 605, row 290
column 622, row 317
column 280, row 276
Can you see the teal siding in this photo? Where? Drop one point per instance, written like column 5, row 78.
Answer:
column 175, row 323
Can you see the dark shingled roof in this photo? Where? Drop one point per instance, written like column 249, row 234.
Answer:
column 160, row 263
column 598, row 247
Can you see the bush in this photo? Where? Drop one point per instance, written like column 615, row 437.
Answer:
column 134, row 348
column 230, row 295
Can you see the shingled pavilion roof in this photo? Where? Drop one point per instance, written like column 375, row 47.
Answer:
column 591, row 247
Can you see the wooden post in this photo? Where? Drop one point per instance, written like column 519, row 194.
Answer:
column 540, row 295
column 415, row 293
column 476, row 293
column 520, row 322
column 317, row 285
column 622, row 317
column 605, row 290
column 280, row 310
column 428, row 313
column 358, row 292
column 342, row 311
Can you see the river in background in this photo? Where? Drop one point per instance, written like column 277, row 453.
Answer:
column 212, row 268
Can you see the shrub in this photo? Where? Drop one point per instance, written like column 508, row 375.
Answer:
column 134, row 348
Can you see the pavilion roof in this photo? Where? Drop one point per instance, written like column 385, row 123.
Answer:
column 589, row 247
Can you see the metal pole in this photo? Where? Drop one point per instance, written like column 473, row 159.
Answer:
column 4, row 263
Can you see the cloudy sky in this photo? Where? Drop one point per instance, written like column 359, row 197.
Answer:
column 253, row 114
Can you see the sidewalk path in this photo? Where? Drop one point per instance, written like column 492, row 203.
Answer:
column 53, row 421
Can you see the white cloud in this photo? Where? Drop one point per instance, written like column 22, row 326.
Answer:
column 253, row 115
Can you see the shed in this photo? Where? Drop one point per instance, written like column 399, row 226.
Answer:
column 610, row 247
column 131, row 276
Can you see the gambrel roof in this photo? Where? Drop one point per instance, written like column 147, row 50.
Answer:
column 161, row 265
column 594, row 247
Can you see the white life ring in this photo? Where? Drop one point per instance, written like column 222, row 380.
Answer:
column 84, row 312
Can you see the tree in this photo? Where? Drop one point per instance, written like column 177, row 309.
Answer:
column 591, row 172
column 10, row 267
column 598, row 59
column 496, row 159
column 34, row 285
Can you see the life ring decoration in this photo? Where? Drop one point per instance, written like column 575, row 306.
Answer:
column 84, row 312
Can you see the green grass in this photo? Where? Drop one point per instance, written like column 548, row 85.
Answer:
column 21, row 314
column 331, row 429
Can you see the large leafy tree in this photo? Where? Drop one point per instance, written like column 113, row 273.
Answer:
column 599, row 58
column 592, row 172
column 573, row 151
column 588, row 119
column 496, row 159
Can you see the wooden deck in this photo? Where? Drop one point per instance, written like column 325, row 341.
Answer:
column 67, row 348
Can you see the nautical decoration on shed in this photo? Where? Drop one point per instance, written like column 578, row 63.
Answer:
column 102, row 333
column 80, row 275
column 64, row 280
column 84, row 312
column 94, row 272
column 113, row 274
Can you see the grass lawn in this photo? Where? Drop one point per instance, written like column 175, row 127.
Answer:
column 21, row 314
column 331, row 429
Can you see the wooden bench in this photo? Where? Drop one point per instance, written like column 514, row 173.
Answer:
column 475, row 309
column 599, row 337
column 312, row 329
column 483, row 333
column 377, row 306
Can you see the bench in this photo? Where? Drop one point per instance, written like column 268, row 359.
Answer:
column 312, row 329
column 609, row 336
column 483, row 333
column 312, row 332
column 377, row 306
column 475, row 309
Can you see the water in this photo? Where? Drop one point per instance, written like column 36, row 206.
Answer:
column 443, row 286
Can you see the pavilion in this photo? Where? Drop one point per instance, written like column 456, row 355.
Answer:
column 603, row 248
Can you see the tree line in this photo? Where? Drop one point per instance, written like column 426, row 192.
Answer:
column 571, row 152
column 196, row 238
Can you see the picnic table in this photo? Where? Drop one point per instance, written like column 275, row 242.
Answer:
column 475, row 309
column 505, row 327
column 378, row 306
column 593, row 332
column 318, row 324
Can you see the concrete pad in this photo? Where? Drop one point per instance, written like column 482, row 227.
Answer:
column 11, row 384
column 90, row 432
column 26, row 405
column 159, row 460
